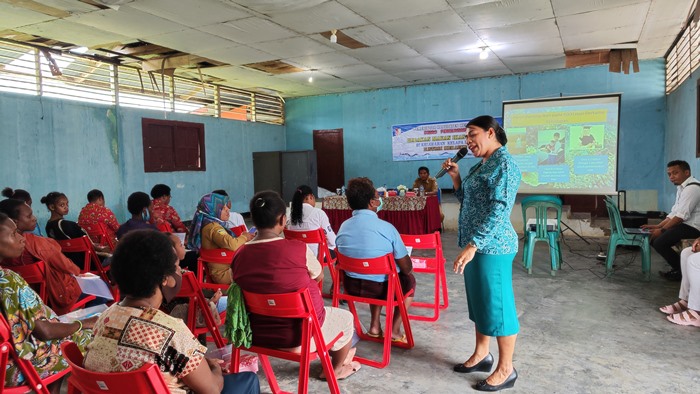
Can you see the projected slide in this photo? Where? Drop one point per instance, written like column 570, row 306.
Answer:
column 565, row 145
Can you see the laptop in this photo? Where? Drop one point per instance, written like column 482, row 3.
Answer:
column 532, row 224
column 637, row 231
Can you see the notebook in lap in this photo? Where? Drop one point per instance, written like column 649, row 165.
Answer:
column 636, row 230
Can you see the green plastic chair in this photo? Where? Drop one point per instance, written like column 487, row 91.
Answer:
column 618, row 236
column 542, row 205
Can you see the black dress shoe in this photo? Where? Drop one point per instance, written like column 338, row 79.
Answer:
column 508, row 383
column 672, row 275
column 482, row 366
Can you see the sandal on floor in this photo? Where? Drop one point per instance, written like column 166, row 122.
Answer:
column 347, row 361
column 350, row 356
column 403, row 339
column 346, row 371
column 349, row 370
column 380, row 335
column 676, row 307
column 686, row 318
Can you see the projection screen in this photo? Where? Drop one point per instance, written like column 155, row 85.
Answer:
column 567, row 145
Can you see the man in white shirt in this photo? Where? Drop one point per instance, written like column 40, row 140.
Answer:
column 682, row 222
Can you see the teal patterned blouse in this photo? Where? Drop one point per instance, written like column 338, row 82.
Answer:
column 484, row 214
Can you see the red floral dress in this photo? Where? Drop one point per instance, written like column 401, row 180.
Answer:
column 93, row 213
column 164, row 213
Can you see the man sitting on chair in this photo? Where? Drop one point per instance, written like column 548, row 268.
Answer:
column 682, row 222
column 424, row 179
column 364, row 235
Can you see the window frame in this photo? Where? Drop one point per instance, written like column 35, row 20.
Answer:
column 150, row 164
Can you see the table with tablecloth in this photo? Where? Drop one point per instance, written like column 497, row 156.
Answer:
column 410, row 215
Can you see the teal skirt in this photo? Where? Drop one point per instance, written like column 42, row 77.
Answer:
column 488, row 279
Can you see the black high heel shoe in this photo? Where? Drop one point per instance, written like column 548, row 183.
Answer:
column 482, row 366
column 508, row 383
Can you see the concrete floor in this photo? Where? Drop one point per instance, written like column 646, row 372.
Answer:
column 580, row 333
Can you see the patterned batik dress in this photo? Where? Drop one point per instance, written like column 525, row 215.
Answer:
column 22, row 307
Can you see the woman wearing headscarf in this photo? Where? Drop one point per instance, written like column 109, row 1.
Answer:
column 209, row 231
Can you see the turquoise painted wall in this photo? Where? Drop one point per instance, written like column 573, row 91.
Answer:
column 51, row 144
column 681, row 115
column 229, row 146
column 367, row 117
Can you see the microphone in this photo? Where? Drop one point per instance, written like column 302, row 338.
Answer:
column 460, row 154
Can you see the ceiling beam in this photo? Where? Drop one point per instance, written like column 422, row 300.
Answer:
column 583, row 58
column 38, row 7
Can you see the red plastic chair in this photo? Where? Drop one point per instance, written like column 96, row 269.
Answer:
column 297, row 305
column 324, row 254
column 32, row 380
column 383, row 265
column 190, row 289
column 219, row 256
column 165, row 227
column 99, row 234
column 146, row 379
column 35, row 274
column 429, row 265
column 238, row 230
column 84, row 245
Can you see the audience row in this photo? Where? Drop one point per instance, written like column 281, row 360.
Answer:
column 144, row 267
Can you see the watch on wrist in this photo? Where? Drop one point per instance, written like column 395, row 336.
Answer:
column 472, row 243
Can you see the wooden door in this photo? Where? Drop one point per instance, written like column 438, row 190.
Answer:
column 328, row 145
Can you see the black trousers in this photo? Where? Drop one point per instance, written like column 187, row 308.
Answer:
column 665, row 242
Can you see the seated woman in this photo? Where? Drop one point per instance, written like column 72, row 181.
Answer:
column 163, row 212
column 135, row 331
column 235, row 219
column 17, row 194
column 305, row 216
column 179, row 307
column 62, row 288
column 61, row 229
column 272, row 264
column 57, row 227
column 36, row 333
column 686, row 311
column 364, row 235
column 21, row 194
column 208, row 231
column 140, row 208
column 96, row 212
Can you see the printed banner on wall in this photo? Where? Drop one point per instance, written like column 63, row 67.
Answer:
column 429, row 141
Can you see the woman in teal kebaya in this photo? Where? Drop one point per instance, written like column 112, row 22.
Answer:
column 489, row 245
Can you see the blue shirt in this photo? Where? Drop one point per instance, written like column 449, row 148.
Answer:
column 364, row 235
column 484, row 213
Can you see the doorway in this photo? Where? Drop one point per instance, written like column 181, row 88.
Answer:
column 330, row 160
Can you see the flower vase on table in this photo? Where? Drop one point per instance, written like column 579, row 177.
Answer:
column 401, row 189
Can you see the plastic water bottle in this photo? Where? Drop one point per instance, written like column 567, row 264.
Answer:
column 342, row 190
column 422, row 191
